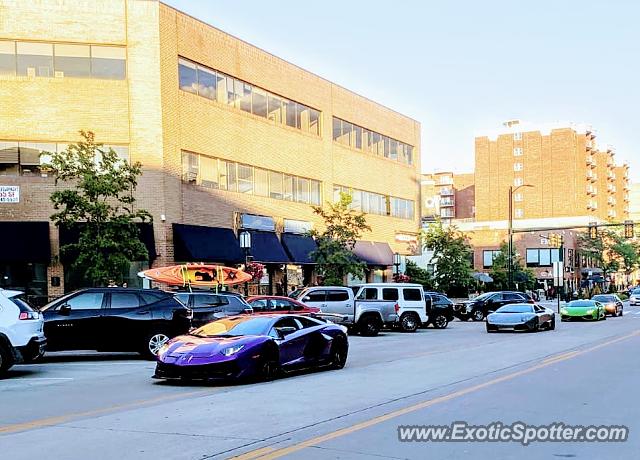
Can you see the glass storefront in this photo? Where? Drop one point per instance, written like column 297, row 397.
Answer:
column 31, row 278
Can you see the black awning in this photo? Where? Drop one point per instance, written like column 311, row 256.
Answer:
column 195, row 243
column 70, row 234
column 25, row 242
column 265, row 247
column 374, row 253
column 299, row 247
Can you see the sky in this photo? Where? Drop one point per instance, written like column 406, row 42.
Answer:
column 461, row 67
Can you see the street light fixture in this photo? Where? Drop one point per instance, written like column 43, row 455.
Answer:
column 396, row 262
column 245, row 245
column 512, row 190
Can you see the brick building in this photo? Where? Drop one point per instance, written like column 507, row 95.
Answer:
column 230, row 137
column 447, row 196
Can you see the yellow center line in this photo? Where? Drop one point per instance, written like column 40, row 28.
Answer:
column 41, row 423
column 272, row 454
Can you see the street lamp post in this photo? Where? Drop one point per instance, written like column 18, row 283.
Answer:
column 396, row 262
column 245, row 245
column 510, row 231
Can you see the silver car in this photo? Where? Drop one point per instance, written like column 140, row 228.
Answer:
column 634, row 298
column 521, row 317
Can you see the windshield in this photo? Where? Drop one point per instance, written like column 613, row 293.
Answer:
column 581, row 303
column 518, row 308
column 234, row 327
column 484, row 296
column 603, row 298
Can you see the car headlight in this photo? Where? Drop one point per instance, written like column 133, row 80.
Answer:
column 232, row 350
column 564, row 310
column 590, row 311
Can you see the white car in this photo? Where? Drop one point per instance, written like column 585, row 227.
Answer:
column 21, row 331
column 634, row 298
column 412, row 313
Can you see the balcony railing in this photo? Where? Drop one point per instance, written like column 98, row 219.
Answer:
column 447, row 202
column 447, row 192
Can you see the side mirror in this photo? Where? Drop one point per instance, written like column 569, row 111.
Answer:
column 285, row 330
column 65, row 309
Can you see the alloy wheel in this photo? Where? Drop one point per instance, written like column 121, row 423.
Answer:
column 409, row 323
column 156, row 341
column 440, row 322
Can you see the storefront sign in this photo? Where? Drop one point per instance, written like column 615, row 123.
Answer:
column 9, row 194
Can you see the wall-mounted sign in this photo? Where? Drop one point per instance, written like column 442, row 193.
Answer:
column 9, row 194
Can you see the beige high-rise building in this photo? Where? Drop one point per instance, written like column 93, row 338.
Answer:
column 230, row 136
column 447, row 196
column 559, row 168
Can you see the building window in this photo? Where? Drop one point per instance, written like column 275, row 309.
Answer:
column 517, row 197
column 217, row 86
column 376, row 203
column 488, row 257
column 72, row 60
column 35, row 59
column 517, row 152
column 518, row 181
column 401, row 208
column 227, row 175
column 519, row 213
column 109, row 62
column 517, row 136
column 362, row 139
column 543, row 257
column 517, row 166
column 7, row 57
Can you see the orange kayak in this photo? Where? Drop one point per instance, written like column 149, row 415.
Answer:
column 195, row 274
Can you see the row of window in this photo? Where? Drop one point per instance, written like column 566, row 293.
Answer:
column 217, row 86
column 62, row 60
column 237, row 177
column 375, row 203
column 19, row 158
column 537, row 257
column 360, row 138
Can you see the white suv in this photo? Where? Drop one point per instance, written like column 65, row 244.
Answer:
column 21, row 331
column 634, row 298
column 410, row 298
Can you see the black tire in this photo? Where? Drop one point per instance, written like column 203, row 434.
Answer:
column 491, row 329
column 409, row 322
column 6, row 360
column 440, row 321
column 269, row 365
column 552, row 324
column 621, row 311
column 338, row 352
column 369, row 326
column 477, row 315
column 153, row 342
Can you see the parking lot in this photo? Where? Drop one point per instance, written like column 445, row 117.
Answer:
column 64, row 405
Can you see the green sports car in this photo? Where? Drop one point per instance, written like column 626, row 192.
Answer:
column 583, row 309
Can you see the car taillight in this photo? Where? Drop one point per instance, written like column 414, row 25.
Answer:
column 397, row 307
column 28, row 315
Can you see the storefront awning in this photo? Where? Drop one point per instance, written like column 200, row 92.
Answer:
column 266, row 248
column 25, row 242
column 374, row 253
column 195, row 243
column 299, row 247
column 70, row 234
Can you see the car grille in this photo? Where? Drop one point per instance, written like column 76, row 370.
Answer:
column 197, row 372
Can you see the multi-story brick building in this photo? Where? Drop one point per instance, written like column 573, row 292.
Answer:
column 447, row 196
column 230, row 137
column 634, row 202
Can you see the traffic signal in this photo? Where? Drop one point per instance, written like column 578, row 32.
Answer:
column 628, row 229
column 593, row 231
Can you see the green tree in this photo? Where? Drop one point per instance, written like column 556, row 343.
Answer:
column 452, row 255
column 419, row 275
column 601, row 250
column 523, row 277
column 98, row 192
column 334, row 255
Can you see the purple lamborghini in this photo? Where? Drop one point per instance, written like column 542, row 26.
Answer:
column 253, row 347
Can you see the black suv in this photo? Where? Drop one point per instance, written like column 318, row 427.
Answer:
column 439, row 309
column 477, row 309
column 115, row 319
column 209, row 306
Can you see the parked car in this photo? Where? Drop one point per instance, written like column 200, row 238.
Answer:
column 409, row 297
column 208, row 306
column 278, row 304
column 612, row 304
column 115, row 319
column 439, row 310
column 583, row 309
column 367, row 316
column 253, row 346
column 478, row 308
column 521, row 317
column 634, row 298
column 22, row 338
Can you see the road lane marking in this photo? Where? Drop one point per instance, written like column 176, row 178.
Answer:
column 254, row 454
column 56, row 420
column 431, row 402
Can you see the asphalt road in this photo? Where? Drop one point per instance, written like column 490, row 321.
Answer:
column 86, row 405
